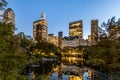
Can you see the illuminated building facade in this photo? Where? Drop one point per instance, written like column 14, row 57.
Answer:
column 60, row 35
column 76, row 29
column 9, row 16
column 89, row 38
column 94, row 31
column 53, row 39
column 40, row 29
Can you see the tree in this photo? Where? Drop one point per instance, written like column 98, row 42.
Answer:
column 25, row 43
column 10, row 61
column 47, row 48
column 110, row 27
column 103, row 54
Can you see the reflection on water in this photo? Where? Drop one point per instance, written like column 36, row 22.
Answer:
column 44, row 68
column 55, row 76
column 64, row 72
column 69, row 72
column 58, row 70
column 72, row 60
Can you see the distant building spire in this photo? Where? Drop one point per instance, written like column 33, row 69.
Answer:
column 43, row 16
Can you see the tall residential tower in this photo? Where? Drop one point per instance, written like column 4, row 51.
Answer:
column 9, row 16
column 76, row 29
column 60, row 35
column 40, row 30
column 94, row 31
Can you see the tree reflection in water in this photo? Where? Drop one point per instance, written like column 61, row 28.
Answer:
column 55, row 70
column 44, row 68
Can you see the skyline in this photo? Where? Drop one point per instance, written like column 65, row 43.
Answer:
column 60, row 13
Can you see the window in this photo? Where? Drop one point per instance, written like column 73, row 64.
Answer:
column 38, row 27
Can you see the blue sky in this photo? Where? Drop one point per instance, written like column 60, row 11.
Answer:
column 60, row 12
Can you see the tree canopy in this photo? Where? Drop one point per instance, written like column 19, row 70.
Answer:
column 10, row 61
column 110, row 27
column 45, row 49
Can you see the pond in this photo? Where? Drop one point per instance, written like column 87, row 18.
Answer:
column 69, row 72
column 56, row 70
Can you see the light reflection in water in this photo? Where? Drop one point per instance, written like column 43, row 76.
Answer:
column 64, row 72
column 69, row 72
column 72, row 59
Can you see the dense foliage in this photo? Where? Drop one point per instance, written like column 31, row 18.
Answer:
column 110, row 27
column 45, row 49
column 11, row 62
column 104, row 56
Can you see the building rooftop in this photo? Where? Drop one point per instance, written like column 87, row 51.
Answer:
column 39, row 20
column 8, row 10
column 75, row 22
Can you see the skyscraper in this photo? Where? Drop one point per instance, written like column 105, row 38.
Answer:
column 76, row 29
column 40, row 30
column 9, row 16
column 60, row 35
column 94, row 31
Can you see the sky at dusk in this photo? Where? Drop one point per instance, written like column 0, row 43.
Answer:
column 60, row 12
